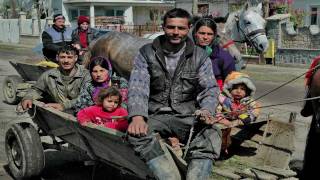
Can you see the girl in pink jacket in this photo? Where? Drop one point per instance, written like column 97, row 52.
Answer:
column 107, row 106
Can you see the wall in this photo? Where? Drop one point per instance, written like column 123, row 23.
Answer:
column 10, row 30
column 305, row 4
column 300, row 48
column 30, row 27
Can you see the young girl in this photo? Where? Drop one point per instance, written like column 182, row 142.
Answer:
column 107, row 105
column 236, row 105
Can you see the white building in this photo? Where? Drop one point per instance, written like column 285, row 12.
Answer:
column 311, row 11
column 132, row 12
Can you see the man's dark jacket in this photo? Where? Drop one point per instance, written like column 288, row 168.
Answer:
column 54, row 38
column 182, row 92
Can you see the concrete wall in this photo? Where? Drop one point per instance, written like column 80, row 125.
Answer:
column 9, row 29
column 299, row 48
column 30, row 26
column 295, row 56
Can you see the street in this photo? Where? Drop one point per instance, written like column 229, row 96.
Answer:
column 57, row 169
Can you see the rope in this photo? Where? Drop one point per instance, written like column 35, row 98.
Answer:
column 272, row 90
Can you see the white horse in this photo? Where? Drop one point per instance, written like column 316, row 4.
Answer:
column 245, row 25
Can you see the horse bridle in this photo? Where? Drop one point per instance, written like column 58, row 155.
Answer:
column 248, row 37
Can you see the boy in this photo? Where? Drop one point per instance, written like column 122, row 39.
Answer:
column 236, row 104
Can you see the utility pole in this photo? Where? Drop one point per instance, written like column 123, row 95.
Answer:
column 194, row 7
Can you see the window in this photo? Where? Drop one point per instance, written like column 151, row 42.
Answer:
column 73, row 14
column 314, row 16
column 109, row 12
column 84, row 12
column 119, row 13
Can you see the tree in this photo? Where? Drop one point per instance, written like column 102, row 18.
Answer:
column 194, row 7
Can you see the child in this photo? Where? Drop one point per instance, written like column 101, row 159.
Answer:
column 236, row 105
column 107, row 105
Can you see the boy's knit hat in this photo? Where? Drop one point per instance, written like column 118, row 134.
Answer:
column 238, row 78
column 58, row 16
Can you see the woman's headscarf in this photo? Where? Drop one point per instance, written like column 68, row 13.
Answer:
column 208, row 22
column 104, row 63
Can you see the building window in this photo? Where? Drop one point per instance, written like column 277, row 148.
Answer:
column 84, row 12
column 314, row 16
column 73, row 14
column 203, row 9
column 109, row 12
column 119, row 12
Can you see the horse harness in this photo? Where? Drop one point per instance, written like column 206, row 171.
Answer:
column 251, row 35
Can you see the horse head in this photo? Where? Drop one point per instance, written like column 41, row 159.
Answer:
column 248, row 25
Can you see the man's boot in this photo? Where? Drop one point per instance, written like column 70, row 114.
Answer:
column 164, row 168
column 199, row 169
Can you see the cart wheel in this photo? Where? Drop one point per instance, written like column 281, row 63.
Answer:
column 10, row 89
column 24, row 151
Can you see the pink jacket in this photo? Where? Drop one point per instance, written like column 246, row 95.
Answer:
column 97, row 115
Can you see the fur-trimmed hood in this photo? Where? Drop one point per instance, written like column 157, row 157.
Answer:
column 238, row 78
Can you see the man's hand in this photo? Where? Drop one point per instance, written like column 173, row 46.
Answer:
column 55, row 106
column 77, row 46
column 138, row 127
column 205, row 116
column 26, row 104
column 82, row 53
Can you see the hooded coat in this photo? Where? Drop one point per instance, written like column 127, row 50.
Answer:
column 235, row 109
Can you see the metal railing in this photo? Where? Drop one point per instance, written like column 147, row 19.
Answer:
column 138, row 30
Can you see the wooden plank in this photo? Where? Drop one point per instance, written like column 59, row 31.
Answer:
column 226, row 173
column 256, row 174
column 276, row 171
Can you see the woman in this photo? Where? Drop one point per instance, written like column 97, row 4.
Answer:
column 85, row 34
column 205, row 36
column 101, row 72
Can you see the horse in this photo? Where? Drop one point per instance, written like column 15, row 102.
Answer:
column 247, row 25
column 121, row 48
column 232, row 28
column 312, row 150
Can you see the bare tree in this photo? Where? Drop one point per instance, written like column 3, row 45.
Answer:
column 194, row 7
column 14, row 13
column 265, row 8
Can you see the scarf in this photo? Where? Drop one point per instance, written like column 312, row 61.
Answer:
column 104, row 85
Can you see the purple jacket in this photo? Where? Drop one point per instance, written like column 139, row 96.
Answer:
column 222, row 62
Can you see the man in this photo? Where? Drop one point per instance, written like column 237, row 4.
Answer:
column 61, row 86
column 57, row 36
column 171, row 80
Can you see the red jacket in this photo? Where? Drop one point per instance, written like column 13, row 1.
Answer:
column 97, row 115
column 310, row 71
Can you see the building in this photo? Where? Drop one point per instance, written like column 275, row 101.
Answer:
column 212, row 7
column 311, row 11
column 127, row 12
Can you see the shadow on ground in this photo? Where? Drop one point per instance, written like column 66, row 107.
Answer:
column 66, row 165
